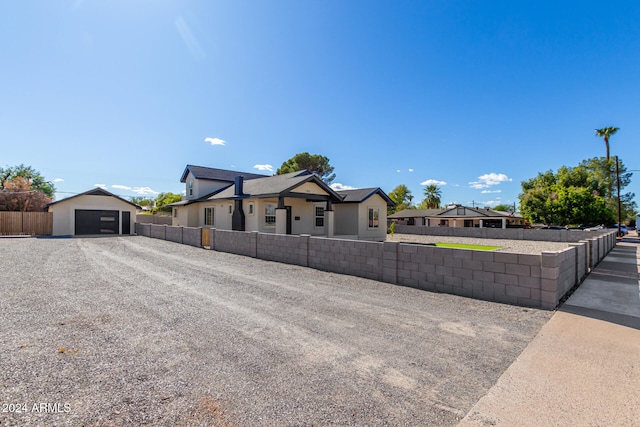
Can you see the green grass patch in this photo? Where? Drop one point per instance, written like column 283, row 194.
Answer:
column 465, row 246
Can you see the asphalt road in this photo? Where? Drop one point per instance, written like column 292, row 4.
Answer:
column 135, row 331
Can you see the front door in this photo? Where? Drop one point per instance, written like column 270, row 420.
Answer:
column 126, row 222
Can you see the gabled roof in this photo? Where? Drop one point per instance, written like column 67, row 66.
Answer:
column 94, row 192
column 415, row 213
column 359, row 195
column 274, row 186
column 213, row 174
column 452, row 212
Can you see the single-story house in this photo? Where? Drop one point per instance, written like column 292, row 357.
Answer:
column 458, row 216
column 294, row 203
column 96, row 211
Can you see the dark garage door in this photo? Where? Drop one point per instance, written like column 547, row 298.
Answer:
column 97, row 222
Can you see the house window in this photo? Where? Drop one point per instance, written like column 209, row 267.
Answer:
column 191, row 188
column 270, row 215
column 175, row 213
column 319, row 216
column 250, row 208
column 374, row 217
column 208, row 216
column 444, row 223
column 230, row 209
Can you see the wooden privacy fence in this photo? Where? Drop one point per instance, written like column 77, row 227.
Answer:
column 31, row 223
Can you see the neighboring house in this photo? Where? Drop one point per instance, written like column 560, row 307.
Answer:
column 96, row 211
column 293, row 203
column 458, row 216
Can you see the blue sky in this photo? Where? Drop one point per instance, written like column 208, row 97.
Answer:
column 475, row 96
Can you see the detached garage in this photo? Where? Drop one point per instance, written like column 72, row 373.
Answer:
column 93, row 212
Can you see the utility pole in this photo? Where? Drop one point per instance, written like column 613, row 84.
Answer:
column 619, row 204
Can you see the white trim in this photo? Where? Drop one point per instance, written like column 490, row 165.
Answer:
column 213, row 216
column 369, row 220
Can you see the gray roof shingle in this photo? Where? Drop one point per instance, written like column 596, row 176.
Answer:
column 359, row 195
column 273, row 186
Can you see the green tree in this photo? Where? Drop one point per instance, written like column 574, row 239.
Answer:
column 163, row 199
column 310, row 162
column 504, row 208
column 606, row 133
column 432, row 196
column 37, row 181
column 401, row 196
column 578, row 195
column 142, row 201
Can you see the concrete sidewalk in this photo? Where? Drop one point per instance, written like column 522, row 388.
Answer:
column 583, row 368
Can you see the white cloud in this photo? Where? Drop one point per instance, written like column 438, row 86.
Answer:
column 103, row 186
column 121, row 187
column 494, row 178
column 144, row 190
column 477, row 185
column 398, row 170
column 433, row 182
column 489, row 179
column 265, row 167
column 490, row 191
column 58, row 180
column 215, row 141
column 492, row 202
column 410, row 170
column 337, row 186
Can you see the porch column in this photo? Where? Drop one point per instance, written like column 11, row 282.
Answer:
column 481, row 223
column 504, row 222
column 454, row 223
column 328, row 223
column 281, row 221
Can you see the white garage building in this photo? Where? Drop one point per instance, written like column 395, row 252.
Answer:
column 96, row 211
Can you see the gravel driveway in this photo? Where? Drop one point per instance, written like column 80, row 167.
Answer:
column 134, row 331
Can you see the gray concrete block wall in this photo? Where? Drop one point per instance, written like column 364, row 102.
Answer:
column 593, row 245
column 153, row 219
column 289, row 249
column 581, row 260
column 494, row 276
column 174, row 234
column 502, row 233
column 354, row 257
column 192, row 236
column 235, row 242
column 158, row 231
column 521, row 279
column 143, row 229
column 390, row 262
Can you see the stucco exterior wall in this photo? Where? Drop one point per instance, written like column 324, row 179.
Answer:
column 187, row 216
column 64, row 216
column 309, row 188
column 366, row 233
column 347, row 218
column 202, row 187
column 350, row 218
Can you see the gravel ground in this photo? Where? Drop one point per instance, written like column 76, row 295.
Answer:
column 512, row 246
column 137, row 331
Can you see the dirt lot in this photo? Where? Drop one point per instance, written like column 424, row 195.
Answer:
column 134, row 331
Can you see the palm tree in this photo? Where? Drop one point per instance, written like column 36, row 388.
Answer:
column 432, row 195
column 606, row 133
